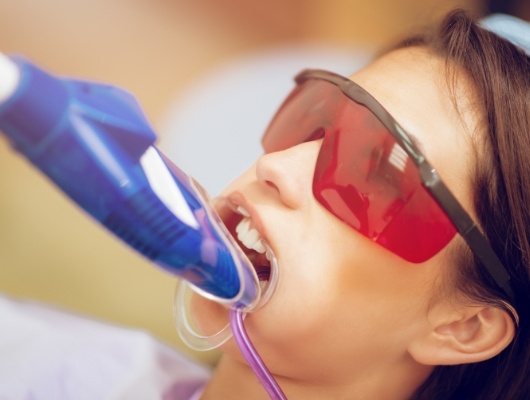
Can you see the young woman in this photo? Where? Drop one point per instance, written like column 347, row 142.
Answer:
column 392, row 284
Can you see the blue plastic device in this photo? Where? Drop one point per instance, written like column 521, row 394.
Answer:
column 94, row 142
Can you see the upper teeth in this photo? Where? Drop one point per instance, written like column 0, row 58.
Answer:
column 243, row 211
column 249, row 236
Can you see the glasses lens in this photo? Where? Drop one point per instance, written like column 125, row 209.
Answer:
column 305, row 115
column 362, row 175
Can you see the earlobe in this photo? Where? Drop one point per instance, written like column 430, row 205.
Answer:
column 472, row 334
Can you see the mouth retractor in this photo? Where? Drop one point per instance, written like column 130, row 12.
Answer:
column 188, row 331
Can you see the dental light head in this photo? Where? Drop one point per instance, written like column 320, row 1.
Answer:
column 93, row 141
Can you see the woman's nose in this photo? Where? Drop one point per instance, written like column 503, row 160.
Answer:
column 290, row 172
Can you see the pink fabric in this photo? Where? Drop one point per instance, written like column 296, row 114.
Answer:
column 197, row 394
column 49, row 354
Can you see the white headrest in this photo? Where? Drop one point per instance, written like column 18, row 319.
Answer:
column 511, row 28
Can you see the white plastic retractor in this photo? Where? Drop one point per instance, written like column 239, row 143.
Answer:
column 9, row 77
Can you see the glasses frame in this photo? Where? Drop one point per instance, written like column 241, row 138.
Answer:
column 430, row 178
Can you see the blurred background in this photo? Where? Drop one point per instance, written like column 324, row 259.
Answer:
column 187, row 62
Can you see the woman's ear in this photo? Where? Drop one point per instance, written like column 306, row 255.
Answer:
column 462, row 335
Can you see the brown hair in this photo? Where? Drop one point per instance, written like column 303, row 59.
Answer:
column 500, row 74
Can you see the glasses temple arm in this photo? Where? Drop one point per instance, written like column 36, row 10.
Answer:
column 465, row 226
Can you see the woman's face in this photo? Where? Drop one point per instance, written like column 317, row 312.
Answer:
column 344, row 304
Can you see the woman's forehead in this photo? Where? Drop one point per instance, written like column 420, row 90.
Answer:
column 412, row 84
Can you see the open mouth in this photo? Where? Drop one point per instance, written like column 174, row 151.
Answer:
column 244, row 227
column 239, row 224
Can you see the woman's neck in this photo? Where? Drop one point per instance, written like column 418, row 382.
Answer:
column 233, row 379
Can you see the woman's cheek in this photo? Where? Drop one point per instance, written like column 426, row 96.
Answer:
column 296, row 309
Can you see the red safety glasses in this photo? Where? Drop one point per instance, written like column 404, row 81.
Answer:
column 370, row 173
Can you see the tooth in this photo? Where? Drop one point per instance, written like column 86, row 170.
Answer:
column 259, row 246
column 242, row 211
column 251, row 237
column 239, row 227
column 243, row 230
column 243, row 226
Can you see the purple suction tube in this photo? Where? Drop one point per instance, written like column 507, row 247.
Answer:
column 252, row 357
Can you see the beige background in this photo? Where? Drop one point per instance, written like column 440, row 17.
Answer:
column 49, row 250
